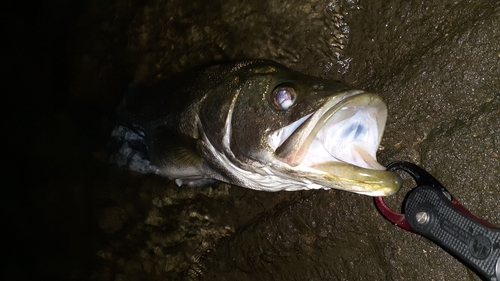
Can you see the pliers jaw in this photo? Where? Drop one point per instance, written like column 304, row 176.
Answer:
column 422, row 178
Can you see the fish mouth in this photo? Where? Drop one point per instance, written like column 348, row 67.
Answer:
column 336, row 145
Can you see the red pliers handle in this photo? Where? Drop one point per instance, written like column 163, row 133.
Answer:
column 431, row 211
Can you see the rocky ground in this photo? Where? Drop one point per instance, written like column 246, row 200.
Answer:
column 69, row 214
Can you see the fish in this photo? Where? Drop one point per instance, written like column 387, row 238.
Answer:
column 255, row 124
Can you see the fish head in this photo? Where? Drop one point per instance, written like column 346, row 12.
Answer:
column 293, row 131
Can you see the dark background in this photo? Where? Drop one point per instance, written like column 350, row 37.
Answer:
column 50, row 138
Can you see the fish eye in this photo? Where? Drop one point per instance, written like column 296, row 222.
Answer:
column 283, row 97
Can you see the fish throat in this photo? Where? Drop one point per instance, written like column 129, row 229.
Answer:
column 346, row 131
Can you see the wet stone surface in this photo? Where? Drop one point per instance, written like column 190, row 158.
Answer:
column 435, row 63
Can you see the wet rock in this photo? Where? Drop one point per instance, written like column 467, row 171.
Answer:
column 436, row 63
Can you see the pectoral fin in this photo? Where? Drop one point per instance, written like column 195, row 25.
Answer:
column 177, row 157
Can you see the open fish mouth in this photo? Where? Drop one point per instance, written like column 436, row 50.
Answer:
column 340, row 141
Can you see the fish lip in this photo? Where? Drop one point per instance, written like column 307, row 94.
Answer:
column 371, row 180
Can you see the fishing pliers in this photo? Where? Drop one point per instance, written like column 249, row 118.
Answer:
column 431, row 211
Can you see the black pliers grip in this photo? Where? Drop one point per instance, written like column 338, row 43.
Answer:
column 431, row 211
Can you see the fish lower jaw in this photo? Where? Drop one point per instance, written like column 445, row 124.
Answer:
column 347, row 177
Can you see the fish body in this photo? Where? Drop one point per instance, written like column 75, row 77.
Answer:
column 259, row 125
